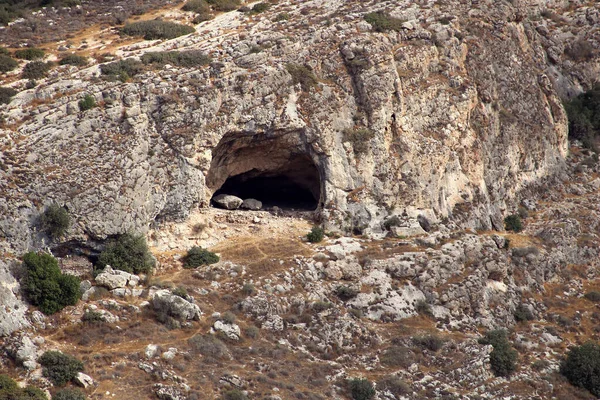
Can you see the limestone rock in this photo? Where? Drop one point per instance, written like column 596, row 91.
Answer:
column 232, row 331
column 166, row 392
column 251, row 204
column 175, row 306
column 12, row 310
column 228, row 201
column 114, row 278
column 83, row 380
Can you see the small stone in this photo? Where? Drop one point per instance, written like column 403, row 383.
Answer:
column 228, row 201
column 251, row 204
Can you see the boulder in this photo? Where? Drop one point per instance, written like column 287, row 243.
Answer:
column 83, row 380
column 175, row 306
column 113, row 278
column 251, row 204
column 232, row 331
column 228, row 201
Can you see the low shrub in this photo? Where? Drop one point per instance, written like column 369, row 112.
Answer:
column 87, row 103
column 397, row 356
column 583, row 112
column 30, row 53
column 122, row 69
column 187, row 59
column 513, row 223
column 10, row 390
column 581, row 50
column 224, row 5
column 430, row 342
column 259, row 7
column 346, row 293
column 252, row 332
column 36, row 70
column 282, row 17
column 209, row 346
column 248, row 289
column 60, row 368
column 55, row 221
column 6, row 94
column 423, row 308
column 45, row 286
column 156, row 29
column 360, row 138
column 361, row 389
column 315, row 235
column 593, row 296
column 7, row 63
column 228, row 317
column 180, row 291
column 127, row 253
column 523, row 313
column 69, row 394
column 394, row 385
column 92, row 317
column 582, row 367
column 303, row 75
column 196, row 6
column 390, row 222
column 383, row 22
column 503, row 358
column 234, row 394
column 197, row 256
column 73, row 59
column 320, row 306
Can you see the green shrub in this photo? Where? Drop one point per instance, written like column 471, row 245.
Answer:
column 248, row 289
column 73, row 59
column 7, row 63
column 69, row 394
column 395, row 385
column 30, row 53
column 127, row 253
column 430, row 342
column 197, row 256
column 36, row 70
column 209, row 346
column 156, row 29
column 513, row 223
column 6, row 94
column 228, row 317
column 593, row 296
column 359, row 137
column 234, row 394
column 390, row 222
column 582, row 367
column 10, row 390
column 55, row 221
column 346, row 293
column 423, row 308
column 60, row 368
column 180, row 291
column 259, row 7
column 224, row 5
column 92, row 317
column 503, row 358
column 282, row 17
column 523, row 313
column 320, row 306
column 4, row 51
column 361, row 389
column 252, row 332
column 196, row 6
column 87, row 103
column 581, row 50
column 187, row 59
column 383, row 22
column 315, row 235
column 122, row 69
column 45, row 286
column 303, row 75
column 583, row 112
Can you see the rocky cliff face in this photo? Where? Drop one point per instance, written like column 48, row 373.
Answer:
column 461, row 107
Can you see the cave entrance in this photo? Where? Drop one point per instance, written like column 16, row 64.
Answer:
column 274, row 170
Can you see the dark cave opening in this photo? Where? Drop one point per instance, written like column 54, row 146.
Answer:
column 295, row 185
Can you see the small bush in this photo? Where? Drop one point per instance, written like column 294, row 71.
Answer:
column 45, row 286
column 224, row 5
column 359, row 137
column 513, row 223
column 397, row 356
column 69, row 394
column 234, row 394
column 156, row 29
column 10, row 390
column 30, row 53
column 187, row 59
column 315, row 235
column 197, row 256
column 391, row 222
column 208, row 346
column 383, row 22
column 92, row 317
column 583, row 112
column 320, row 306
column 228, row 317
column 582, row 367
column 423, row 308
column 581, row 50
column 87, row 103
column 395, row 385
column 346, row 293
column 523, row 313
column 252, row 332
column 122, row 69
column 303, row 75
column 73, row 59
column 503, row 358
column 356, row 313
column 180, row 291
column 248, row 289
column 127, row 253
column 7, row 63
column 282, row 17
column 36, row 70
column 60, row 368
column 361, row 389
column 6, row 94
column 593, row 296
column 430, row 342
column 196, row 6
column 55, row 221
column 259, row 7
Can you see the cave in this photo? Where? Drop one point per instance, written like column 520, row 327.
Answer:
column 277, row 170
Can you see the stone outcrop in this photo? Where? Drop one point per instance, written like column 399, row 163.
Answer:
column 12, row 309
column 175, row 306
column 114, row 278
